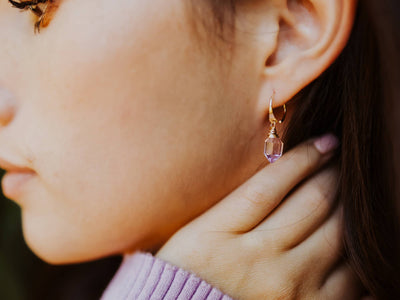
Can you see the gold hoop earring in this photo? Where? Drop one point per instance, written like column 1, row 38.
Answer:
column 273, row 146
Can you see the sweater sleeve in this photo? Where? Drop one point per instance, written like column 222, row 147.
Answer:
column 144, row 276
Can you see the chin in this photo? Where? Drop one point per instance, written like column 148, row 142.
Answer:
column 59, row 247
column 52, row 252
column 58, row 253
column 57, row 244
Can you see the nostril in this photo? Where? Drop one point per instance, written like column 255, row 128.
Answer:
column 7, row 107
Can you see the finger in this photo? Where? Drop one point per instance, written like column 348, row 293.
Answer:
column 251, row 202
column 324, row 248
column 342, row 284
column 304, row 210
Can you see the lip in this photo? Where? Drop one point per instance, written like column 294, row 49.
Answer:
column 7, row 166
column 13, row 182
column 14, row 179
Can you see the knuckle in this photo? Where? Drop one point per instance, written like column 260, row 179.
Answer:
column 305, row 159
column 333, row 240
column 252, row 241
column 255, row 196
column 276, row 239
column 327, row 179
column 262, row 243
column 321, row 191
column 312, row 157
column 319, row 201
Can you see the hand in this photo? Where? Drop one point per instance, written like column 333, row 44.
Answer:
column 253, row 245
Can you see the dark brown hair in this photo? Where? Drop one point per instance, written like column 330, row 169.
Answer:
column 354, row 98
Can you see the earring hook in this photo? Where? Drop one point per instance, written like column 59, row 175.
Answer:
column 272, row 117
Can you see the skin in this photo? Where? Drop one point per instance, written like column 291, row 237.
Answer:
column 133, row 131
column 273, row 245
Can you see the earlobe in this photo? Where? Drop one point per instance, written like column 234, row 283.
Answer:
column 312, row 33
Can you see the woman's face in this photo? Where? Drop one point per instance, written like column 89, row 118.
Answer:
column 132, row 124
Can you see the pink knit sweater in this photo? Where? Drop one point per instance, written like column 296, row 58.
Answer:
column 144, row 276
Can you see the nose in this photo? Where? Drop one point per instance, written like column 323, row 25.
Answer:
column 7, row 107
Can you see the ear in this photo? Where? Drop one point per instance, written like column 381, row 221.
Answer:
column 311, row 35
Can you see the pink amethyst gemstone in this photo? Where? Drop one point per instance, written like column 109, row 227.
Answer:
column 273, row 149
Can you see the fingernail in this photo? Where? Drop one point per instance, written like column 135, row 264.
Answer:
column 326, row 143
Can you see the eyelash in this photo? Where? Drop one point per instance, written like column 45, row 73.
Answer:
column 44, row 16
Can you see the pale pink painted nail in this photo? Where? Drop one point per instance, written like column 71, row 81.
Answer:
column 326, row 143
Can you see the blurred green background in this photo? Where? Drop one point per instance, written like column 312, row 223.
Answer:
column 23, row 276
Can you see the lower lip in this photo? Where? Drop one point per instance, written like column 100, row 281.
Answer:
column 13, row 182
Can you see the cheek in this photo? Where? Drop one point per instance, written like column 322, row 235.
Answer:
column 127, row 140
column 96, row 119
column 111, row 139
